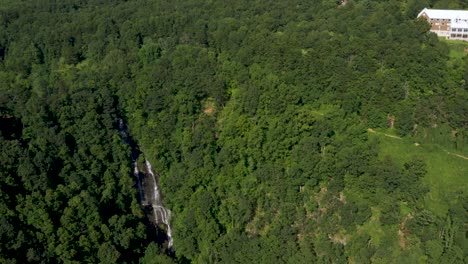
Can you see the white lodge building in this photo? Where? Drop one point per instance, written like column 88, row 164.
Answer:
column 451, row 24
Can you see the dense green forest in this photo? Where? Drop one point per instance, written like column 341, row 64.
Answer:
column 284, row 131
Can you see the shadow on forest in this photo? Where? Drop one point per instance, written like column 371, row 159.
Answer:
column 10, row 127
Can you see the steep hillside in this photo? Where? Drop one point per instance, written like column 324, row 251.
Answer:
column 281, row 131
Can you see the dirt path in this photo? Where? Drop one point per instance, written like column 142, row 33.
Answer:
column 460, row 156
column 387, row 135
column 416, row 144
column 403, row 231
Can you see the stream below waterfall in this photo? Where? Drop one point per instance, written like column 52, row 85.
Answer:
column 149, row 193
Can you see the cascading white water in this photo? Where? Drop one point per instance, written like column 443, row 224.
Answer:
column 161, row 214
column 148, row 189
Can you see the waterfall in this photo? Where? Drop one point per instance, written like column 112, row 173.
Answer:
column 161, row 214
column 150, row 196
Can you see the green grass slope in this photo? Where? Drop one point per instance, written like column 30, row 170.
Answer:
column 447, row 174
column 457, row 48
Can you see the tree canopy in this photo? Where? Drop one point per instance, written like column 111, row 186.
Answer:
column 256, row 114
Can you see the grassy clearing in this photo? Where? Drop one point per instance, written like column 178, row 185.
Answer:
column 324, row 109
column 373, row 227
column 457, row 48
column 447, row 174
column 404, row 209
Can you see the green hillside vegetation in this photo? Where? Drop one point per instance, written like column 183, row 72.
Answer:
column 458, row 49
column 446, row 170
column 445, row 178
column 282, row 131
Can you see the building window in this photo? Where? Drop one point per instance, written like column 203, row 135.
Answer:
column 452, row 35
column 454, row 29
column 459, row 30
column 465, row 30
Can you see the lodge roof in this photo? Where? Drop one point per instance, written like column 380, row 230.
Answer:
column 458, row 18
column 445, row 14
